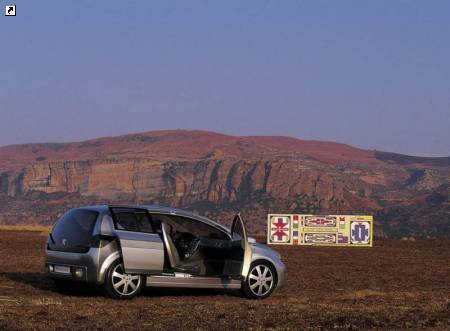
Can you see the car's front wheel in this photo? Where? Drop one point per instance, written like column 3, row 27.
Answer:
column 261, row 280
column 121, row 285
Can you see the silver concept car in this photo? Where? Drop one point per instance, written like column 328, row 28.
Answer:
column 124, row 248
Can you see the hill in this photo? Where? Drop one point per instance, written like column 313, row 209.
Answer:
column 216, row 174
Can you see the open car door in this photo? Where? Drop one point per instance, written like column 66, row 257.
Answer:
column 238, row 264
column 142, row 248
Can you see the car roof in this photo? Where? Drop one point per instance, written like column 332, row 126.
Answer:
column 158, row 209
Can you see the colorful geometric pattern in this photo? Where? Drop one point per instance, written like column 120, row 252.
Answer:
column 341, row 222
column 360, row 232
column 322, row 230
column 320, row 238
column 295, row 230
column 280, row 229
column 342, row 239
column 320, row 221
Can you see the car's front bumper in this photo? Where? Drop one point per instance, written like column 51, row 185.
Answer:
column 281, row 273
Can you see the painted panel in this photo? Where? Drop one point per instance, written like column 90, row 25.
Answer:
column 279, row 229
column 320, row 221
column 322, row 230
column 320, row 238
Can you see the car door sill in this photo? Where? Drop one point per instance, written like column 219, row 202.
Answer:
column 192, row 282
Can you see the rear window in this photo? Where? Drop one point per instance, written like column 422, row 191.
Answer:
column 73, row 231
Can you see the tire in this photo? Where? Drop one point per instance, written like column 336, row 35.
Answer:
column 120, row 285
column 261, row 280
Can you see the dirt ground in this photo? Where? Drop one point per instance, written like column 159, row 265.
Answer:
column 395, row 284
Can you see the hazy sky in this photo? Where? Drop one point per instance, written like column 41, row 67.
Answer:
column 373, row 74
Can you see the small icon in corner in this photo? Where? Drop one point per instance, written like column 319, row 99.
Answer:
column 10, row 10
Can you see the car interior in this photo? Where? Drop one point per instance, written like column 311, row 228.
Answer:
column 190, row 246
column 195, row 247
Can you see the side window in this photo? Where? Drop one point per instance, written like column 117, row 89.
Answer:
column 156, row 221
column 198, row 228
column 237, row 231
column 143, row 222
column 107, row 225
column 132, row 220
column 125, row 221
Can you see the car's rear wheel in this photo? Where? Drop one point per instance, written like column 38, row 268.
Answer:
column 261, row 280
column 121, row 285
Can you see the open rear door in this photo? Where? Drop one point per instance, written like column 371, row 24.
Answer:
column 142, row 248
column 238, row 264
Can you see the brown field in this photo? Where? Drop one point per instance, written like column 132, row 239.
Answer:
column 44, row 229
column 395, row 284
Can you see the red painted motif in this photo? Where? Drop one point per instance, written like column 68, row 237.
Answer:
column 280, row 229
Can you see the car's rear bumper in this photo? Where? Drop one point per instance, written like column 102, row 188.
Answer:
column 72, row 266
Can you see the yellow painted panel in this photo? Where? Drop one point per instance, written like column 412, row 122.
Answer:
column 320, row 230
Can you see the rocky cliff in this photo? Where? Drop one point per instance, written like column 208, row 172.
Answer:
column 217, row 175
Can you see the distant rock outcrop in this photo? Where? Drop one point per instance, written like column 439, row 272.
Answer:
column 216, row 174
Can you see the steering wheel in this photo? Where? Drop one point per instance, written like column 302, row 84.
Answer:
column 192, row 247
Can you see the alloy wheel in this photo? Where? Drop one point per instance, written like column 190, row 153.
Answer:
column 123, row 283
column 260, row 280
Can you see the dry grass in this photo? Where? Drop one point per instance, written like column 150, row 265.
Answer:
column 394, row 285
column 46, row 301
column 45, row 230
